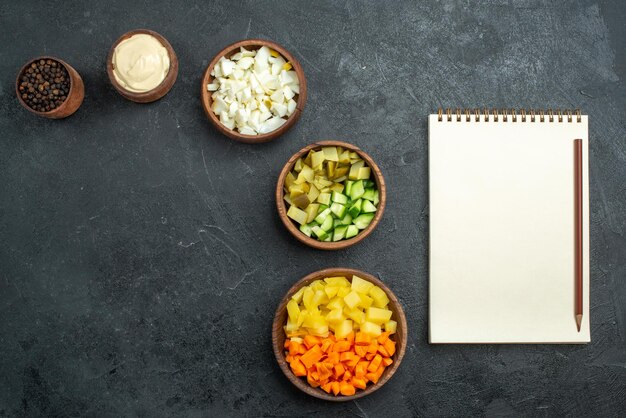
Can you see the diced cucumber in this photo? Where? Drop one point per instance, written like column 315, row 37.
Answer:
column 306, row 230
column 328, row 238
column 322, row 208
column 368, row 184
column 327, row 225
column 368, row 207
column 355, row 209
column 339, row 233
column 369, row 194
column 339, row 198
column 324, row 198
column 347, row 220
column 356, row 191
column 337, row 222
column 349, row 184
column 319, row 232
column 352, row 231
column 338, row 209
column 322, row 216
column 362, row 221
column 376, row 198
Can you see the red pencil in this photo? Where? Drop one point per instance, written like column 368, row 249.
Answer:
column 578, row 228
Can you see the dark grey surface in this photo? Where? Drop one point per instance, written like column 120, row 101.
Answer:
column 141, row 254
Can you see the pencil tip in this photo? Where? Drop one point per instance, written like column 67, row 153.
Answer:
column 579, row 320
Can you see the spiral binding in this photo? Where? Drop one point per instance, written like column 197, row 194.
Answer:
column 532, row 115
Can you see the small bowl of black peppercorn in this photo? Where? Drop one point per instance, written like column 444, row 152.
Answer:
column 49, row 87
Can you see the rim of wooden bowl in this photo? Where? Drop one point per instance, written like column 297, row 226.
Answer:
column 74, row 97
column 280, row 319
column 205, row 95
column 291, row 226
column 159, row 91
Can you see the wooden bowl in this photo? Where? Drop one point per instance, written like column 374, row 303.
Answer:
column 280, row 319
column 292, row 226
column 253, row 44
column 73, row 100
column 160, row 90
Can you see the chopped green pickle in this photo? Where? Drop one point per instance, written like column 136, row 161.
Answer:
column 331, row 194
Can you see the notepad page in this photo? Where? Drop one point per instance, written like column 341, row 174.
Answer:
column 502, row 231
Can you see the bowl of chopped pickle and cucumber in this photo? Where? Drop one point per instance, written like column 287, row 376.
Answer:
column 330, row 195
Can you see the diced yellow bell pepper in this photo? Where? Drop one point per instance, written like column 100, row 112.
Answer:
column 391, row 326
column 343, row 329
column 352, row 299
column 360, row 285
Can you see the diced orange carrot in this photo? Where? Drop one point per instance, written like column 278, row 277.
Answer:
column 312, row 356
column 347, row 389
column 333, row 357
column 339, row 370
column 383, row 337
column 358, row 383
column 383, row 351
column 372, row 377
column 360, row 370
column 360, row 350
column 351, row 364
column 294, row 348
column 298, row 368
column 380, row 371
column 326, row 345
column 311, row 340
column 362, row 338
column 390, row 346
column 340, row 366
column 312, row 381
column 341, row 346
column 324, row 370
column 375, row 363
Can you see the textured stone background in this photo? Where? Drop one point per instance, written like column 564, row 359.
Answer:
column 141, row 257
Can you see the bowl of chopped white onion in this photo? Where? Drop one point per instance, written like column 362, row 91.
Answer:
column 253, row 91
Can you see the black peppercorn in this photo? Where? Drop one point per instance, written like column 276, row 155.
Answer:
column 44, row 85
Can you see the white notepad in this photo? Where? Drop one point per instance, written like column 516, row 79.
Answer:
column 502, row 229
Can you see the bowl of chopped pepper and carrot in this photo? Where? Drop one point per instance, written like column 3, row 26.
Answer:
column 339, row 334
